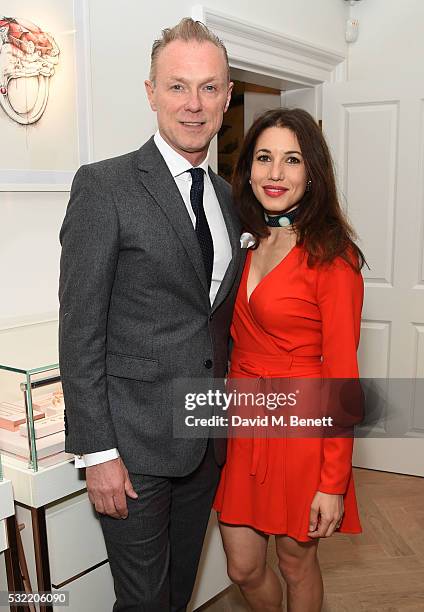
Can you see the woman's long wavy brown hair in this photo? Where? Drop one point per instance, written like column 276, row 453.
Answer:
column 321, row 226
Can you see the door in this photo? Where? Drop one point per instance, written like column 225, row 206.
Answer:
column 376, row 135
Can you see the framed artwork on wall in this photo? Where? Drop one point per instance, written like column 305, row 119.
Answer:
column 45, row 104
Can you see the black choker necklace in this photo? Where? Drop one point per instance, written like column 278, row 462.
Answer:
column 283, row 220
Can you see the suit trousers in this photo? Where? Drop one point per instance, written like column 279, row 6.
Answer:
column 155, row 551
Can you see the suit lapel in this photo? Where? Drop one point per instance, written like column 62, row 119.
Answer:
column 233, row 229
column 156, row 178
column 159, row 182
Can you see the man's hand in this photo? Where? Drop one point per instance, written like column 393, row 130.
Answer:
column 107, row 485
column 326, row 514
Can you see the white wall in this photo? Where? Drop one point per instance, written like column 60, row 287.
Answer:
column 121, row 34
column 308, row 98
column 257, row 103
column 29, row 253
column 391, row 41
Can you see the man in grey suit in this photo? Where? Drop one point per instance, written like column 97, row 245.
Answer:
column 149, row 272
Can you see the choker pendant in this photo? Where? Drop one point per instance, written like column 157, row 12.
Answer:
column 283, row 220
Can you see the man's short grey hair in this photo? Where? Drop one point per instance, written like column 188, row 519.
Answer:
column 187, row 30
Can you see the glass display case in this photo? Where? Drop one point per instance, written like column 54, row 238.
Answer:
column 31, row 398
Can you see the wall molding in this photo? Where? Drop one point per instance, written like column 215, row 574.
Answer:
column 268, row 52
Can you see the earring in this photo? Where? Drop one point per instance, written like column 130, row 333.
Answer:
column 250, row 181
column 308, row 185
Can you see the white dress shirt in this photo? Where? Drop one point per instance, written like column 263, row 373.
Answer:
column 178, row 167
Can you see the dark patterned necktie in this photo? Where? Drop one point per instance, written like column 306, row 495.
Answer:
column 203, row 232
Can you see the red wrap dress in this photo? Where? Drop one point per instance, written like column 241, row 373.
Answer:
column 299, row 322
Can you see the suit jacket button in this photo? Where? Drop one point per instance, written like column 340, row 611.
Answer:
column 208, row 363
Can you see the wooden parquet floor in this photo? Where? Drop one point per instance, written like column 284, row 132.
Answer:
column 381, row 570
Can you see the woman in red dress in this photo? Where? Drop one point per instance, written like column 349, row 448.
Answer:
column 297, row 314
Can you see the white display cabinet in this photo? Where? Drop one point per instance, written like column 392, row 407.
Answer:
column 8, row 551
column 60, row 532
column 31, row 398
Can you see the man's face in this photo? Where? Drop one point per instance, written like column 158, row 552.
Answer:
column 190, row 94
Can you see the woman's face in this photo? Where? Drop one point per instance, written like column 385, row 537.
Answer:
column 278, row 173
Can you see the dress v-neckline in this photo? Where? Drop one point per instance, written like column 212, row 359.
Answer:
column 249, row 297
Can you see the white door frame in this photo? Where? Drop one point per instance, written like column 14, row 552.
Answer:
column 271, row 53
column 273, row 58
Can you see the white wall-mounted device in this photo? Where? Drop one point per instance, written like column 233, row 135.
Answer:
column 352, row 30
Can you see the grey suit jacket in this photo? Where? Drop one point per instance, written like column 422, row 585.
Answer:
column 135, row 311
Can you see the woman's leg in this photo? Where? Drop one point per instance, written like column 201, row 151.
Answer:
column 298, row 563
column 246, row 551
